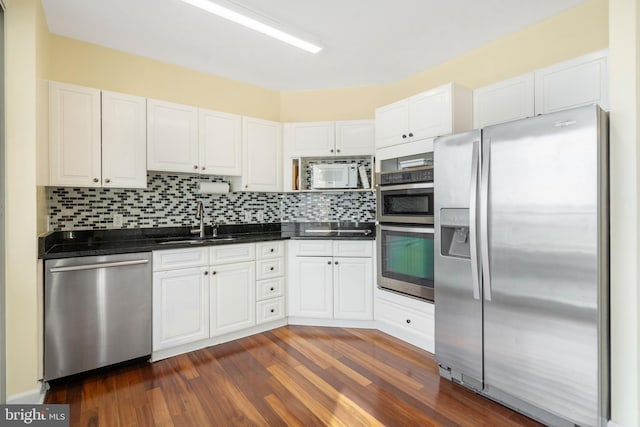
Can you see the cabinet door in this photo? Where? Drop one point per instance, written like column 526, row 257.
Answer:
column 74, row 135
column 124, row 140
column 504, row 101
column 233, row 297
column 220, row 136
column 573, row 83
column 172, row 137
column 355, row 138
column 180, row 307
column 430, row 113
column 392, row 124
column 312, row 287
column 353, row 288
column 311, row 139
column 262, row 154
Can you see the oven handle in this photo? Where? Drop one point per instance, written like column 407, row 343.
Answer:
column 422, row 230
column 473, row 199
column 414, row 186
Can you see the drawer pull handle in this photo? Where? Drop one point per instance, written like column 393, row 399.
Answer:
column 271, row 268
column 408, row 320
column 272, row 310
column 271, row 250
column 271, row 289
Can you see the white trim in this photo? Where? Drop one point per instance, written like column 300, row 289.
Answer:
column 34, row 396
column 613, row 424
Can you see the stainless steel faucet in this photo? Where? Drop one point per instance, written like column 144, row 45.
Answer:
column 215, row 229
column 199, row 215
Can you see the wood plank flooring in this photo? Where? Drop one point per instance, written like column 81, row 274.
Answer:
column 295, row 376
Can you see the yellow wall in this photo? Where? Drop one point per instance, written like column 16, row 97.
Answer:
column 22, row 339
column 575, row 32
column 86, row 64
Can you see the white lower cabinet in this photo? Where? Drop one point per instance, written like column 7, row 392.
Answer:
column 270, row 283
column 338, row 285
column 180, row 307
column 232, row 297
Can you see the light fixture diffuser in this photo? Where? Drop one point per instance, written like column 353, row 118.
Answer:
column 254, row 24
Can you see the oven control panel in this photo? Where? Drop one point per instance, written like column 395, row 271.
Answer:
column 424, row 174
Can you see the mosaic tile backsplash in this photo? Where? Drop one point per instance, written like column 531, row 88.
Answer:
column 171, row 199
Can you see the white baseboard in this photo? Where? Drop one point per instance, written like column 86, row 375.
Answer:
column 32, row 397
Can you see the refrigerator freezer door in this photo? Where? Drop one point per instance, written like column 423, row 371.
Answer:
column 458, row 304
column 541, row 325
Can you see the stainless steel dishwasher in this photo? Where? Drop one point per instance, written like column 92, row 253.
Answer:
column 97, row 312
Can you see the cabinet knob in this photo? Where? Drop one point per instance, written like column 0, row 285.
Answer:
column 95, row 180
column 206, row 273
column 204, row 167
column 338, row 150
column 271, row 269
column 107, row 180
column 271, row 250
column 410, row 134
column 272, row 289
column 272, row 310
column 213, row 272
column 246, row 186
column 408, row 320
column 404, row 136
column 195, row 166
column 331, row 151
column 329, row 262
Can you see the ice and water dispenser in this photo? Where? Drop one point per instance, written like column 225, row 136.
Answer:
column 454, row 232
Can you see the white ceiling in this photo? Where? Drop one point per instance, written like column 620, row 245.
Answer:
column 366, row 42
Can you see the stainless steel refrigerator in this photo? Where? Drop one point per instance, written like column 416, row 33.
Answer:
column 521, row 264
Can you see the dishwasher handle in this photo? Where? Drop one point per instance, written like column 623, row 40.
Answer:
column 98, row 265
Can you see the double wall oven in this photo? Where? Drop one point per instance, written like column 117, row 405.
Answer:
column 405, row 231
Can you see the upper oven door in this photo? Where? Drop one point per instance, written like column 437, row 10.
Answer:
column 406, row 203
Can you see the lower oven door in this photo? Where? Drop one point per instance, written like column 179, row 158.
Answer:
column 405, row 259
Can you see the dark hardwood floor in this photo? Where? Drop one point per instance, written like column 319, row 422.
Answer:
column 295, row 375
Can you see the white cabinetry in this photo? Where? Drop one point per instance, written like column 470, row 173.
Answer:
column 172, row 137
column 182, row 138
column 97, row 139
column 504, row 101
column 328, row 139
column 232, row 297
column 180, row 297
column 262, row 155
column 332, row 279
column 439, row 111
column 574, row 83
column 270, row 281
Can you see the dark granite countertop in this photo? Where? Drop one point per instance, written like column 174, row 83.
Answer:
column 65, row 244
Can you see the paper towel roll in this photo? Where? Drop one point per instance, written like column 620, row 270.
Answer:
column 213, row 187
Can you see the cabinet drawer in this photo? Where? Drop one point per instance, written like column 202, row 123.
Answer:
column 227, row 254
column 314, row 247
column 269, row 288
column 268, row 268
column 269, row 250
column 269, row 310
column 350, row 248
column 172, row 259
column 403, row 317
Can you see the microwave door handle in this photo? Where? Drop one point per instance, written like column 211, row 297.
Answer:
column 473, row 200
column 484, row 217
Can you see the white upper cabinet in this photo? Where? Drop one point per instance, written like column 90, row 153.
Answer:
column 327, row 139
column 74, row 136
column 172, row 137
column 262, row 155
column 124, row 141
column 504, row 101
column 220, row 140
column 443, row 110
column 355, row 138
column 573, row 83
column 97, row 139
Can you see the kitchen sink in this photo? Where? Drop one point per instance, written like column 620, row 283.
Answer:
column 198, row 241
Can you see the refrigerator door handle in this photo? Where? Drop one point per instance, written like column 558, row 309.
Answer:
column 473, row 195
column 484, row 217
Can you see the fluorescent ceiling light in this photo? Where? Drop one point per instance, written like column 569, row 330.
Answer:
column 254, row 24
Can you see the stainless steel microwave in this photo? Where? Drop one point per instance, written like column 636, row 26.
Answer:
column 335, row 175
column 406, row 196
